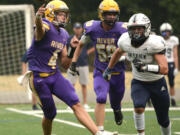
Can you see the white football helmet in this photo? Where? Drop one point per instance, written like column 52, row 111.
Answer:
column 140, row 19
column 166, row 27
column 136, row 20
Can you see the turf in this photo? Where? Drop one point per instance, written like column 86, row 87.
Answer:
column 12, row 123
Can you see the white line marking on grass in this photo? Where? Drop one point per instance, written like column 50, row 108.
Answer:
column 31, row 113
column 175, row 119
column 92, row 110
column 41, row 116
column 177, row 133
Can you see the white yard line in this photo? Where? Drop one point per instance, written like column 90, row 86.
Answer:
column 177, row 133
column 41, row 116
column 92, row 110
column 175, row 118
column 33, row 113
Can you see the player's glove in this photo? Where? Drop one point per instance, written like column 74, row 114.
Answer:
column 72, row 70
column 175, row 71
column 139, row 65
column 107, row 74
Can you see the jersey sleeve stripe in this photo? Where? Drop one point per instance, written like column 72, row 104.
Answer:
column 46, row 26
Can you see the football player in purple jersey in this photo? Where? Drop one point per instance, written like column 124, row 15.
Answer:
column 49, row 42
column 104, row 35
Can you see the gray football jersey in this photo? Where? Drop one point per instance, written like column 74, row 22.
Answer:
column 153, row 45
column 170, row 44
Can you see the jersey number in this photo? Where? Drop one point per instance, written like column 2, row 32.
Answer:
column 105, row 52
column 53, row 59
column 169, row 52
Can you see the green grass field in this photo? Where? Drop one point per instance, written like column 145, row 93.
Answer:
column 14, row 123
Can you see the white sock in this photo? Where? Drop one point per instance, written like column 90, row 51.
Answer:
column 172, row 97
column 166, row 131
column 98, row 133
column 139, row 121
column 141, row 133
column 101, row 128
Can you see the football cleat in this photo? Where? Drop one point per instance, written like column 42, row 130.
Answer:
column 118, row 117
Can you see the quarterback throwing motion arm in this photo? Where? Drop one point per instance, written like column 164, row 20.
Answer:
column 42, row 28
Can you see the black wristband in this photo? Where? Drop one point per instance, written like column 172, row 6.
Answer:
column 73, row 64
column 70, row 52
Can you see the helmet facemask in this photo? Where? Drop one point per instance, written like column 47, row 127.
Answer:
column 166, row 34
column 138, row 37
column 110, row 20
column 58, row 21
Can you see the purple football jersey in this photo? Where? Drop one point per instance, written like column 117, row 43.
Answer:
column 42, row 55
column 105, row 43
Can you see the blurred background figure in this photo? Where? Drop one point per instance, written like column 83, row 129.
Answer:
column 30, row 94
column 172, row 43
column 82, row 64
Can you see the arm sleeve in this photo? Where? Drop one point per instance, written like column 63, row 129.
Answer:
column 46, row 26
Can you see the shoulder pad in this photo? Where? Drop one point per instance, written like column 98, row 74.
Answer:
column 122, row 27
column 88, row 26
column 89, row 23
column 156, row 44
column 175, row 40
column 123, row 38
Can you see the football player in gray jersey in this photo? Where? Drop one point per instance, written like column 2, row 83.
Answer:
column 172, row 43
column 149, row 65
